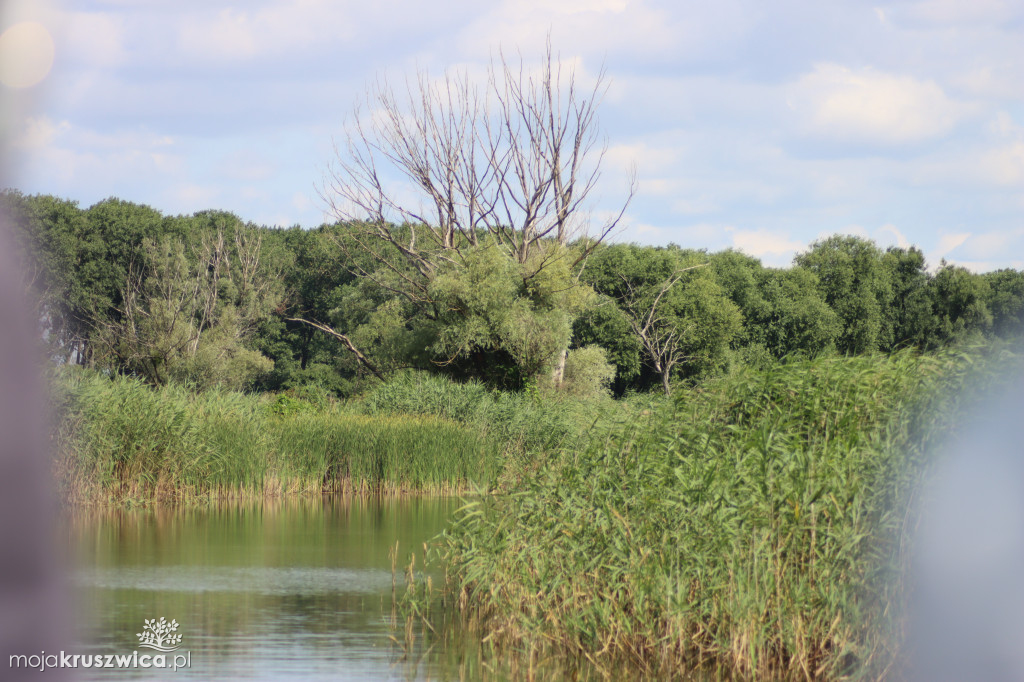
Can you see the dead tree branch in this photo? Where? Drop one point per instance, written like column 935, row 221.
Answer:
column 344, row 339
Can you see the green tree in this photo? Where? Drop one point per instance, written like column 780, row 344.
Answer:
column 1006, row 301
column 741, row 278
column 46, row 233
column 959, row 303
column 314, row 278
column 856, row 284
column 588, row 372
column 189, row 319
column 677, row 311
column 508, row 169
column 910, row 311
column 793, row 317
column 491, row 302
column 604, row 324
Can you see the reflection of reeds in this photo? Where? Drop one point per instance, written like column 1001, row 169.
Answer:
column 121, row 441
column 756, row 526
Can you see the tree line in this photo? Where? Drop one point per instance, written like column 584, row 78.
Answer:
column 209, row 300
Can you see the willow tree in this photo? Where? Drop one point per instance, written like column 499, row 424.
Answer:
column 441, row 169
column 187, row 314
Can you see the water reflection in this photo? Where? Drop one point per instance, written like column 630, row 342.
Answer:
column 269, row 591
column 279, row 590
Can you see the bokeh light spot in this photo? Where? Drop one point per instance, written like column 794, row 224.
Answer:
column 26, row 54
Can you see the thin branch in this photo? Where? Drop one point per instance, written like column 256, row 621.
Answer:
column 344, row 339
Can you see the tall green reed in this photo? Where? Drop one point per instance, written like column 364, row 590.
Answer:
column 528, row 423
column 119, row 439
column 757, row 525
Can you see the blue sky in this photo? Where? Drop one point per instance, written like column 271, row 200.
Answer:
column 756, row 125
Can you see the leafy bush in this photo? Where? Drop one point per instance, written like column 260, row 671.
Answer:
column 588, row 372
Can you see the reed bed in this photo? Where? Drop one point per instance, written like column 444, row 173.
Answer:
column 755, row 529
column 121, row 441
column 531, row 424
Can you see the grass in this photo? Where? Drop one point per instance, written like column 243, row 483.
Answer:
column 120, row 441
column 530, row 425
column 529, row 421
column 757, row 528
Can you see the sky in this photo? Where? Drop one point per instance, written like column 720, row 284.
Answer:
column 760, row 126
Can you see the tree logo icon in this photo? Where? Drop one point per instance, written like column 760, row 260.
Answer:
column 160, row 635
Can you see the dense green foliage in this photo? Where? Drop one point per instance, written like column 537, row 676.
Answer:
column 206, row 300
column 758, row 523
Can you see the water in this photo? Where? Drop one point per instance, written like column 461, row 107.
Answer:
column 267, row 592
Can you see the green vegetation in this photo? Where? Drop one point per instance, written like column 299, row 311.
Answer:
column 757, row 525
column 121, row 441
column 693, row 459
column 207, row 301
column 527, row 423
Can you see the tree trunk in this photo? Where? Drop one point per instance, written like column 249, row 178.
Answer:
column 664, row 380
column 307, row 339
column 558, row 373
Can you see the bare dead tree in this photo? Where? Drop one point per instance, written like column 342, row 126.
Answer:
column 663, row 341
column 517, row 161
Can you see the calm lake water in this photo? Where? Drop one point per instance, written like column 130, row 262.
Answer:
column 300, row 589
column 268, row 592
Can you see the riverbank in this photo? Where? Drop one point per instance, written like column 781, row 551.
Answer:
column 122, row 442
column 757, row 528
column 119, row 441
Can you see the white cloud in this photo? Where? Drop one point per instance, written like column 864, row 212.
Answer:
column 284, row 29
column 566, row 7
column 68, row 158
column 972, row 265
column 1003, row 125
column 947, row 244
column 246, row 165
column 193, row 195
column 997, row 79
column 852, row 230
column 897, row 236
column 649, row 231
column 232, row 35
column 91, row 40
column 40, row 132
column 959, row 12
column 994, row 245
column 694, row 205
column 774, row 248
column 1004, row 165
column 301, row 201
column 652, row 159
column 869, row 106
column 995, row 160
column 607, row 30
column 697, row 235
column 241, row 34
column 884, row 235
